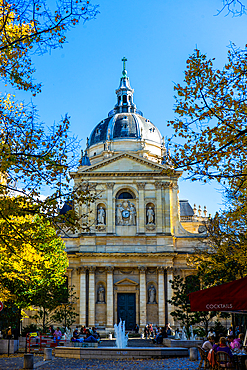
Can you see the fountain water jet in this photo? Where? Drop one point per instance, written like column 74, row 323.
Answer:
column 121, row 338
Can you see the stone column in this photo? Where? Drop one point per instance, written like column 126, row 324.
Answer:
column 141, row 210
column 173, row 207
column 166, row 210
column 91, row 299
column 110, row 211
column 143, row 296
column 109, row 296
column 161, row 296
column 159, row 218
column 170, row 307
column 82, row 318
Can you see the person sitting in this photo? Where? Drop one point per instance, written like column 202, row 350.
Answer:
column 96, row 334
column 57, row 335
column 208, row 344
column 89, row 337
column 223, row 347
column 211, row 333
column 241, row 337
column 234, row 343
column 76, row 333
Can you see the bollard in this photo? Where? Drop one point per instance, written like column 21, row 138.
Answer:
column 28, row 361
column 47, row 354
column 193, row 354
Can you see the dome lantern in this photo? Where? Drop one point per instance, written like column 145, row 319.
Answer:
column 124, row 93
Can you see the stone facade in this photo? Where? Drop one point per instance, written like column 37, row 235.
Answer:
column 122, row 265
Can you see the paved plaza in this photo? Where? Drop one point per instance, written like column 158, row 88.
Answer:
column 16, row 362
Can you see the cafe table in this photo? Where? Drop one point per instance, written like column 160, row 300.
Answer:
column 239, row 357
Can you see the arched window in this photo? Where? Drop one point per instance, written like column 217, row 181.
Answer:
column 125, row 194
column 124, row 99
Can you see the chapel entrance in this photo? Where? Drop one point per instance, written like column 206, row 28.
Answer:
column 126, row 309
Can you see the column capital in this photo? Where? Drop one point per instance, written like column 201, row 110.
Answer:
column 166, row 184
column 170, row 269
column 160, row 269
column 158, row 184
column 109, row 269
column 140, row 185
column 142, row 269
column 110, row 185
column 81, row 269
column 91, row 268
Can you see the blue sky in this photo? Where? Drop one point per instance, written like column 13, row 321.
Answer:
column 156, row 37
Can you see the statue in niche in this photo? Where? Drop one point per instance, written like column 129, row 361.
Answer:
column 150, row 216
column 119, row 214
column 132, row 218
column 101, row 216
column 151, row 294
column 101, row 294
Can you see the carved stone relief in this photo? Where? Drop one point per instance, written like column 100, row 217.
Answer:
column 125, row 213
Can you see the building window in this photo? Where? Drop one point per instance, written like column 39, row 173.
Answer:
column 124, row 99
column 125, row 195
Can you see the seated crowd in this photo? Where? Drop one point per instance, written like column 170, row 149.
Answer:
column 223, row 344
column 85, row 335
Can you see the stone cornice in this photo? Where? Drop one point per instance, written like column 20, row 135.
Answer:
column 119, row 174
column 124, row 255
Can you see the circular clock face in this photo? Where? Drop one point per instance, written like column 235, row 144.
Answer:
column 125, row 214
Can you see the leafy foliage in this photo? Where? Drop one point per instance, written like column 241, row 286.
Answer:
column 180, row 300
column 223, row 257
column 65, row 312
column 32, row 261
column 211, row 118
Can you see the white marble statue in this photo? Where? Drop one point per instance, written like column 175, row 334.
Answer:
column 150, row 216
column 101, row 216
column 151, row 294
column 132, row 220
column 119, row 214
column 101, row 294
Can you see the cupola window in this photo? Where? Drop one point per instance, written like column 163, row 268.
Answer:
column 124, row 99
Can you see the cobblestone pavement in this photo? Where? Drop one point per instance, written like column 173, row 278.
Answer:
column 16, row 363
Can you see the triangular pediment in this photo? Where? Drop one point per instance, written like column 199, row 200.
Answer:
column 126, row 281
column 125, row 162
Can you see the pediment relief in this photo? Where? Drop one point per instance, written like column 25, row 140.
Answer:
column 125, row 282
column 125, row 163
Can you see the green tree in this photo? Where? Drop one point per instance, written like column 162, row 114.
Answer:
column 180, row 300
column 33, row 263
column 211, row 119
column 222, row 257
column 65, row 312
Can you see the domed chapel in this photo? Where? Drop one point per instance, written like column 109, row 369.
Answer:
column 140, row 234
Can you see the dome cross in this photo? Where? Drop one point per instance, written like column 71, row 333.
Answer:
column 124, row 60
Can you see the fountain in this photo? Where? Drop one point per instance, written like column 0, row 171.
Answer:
column 121, row 351
column 192, row 336
column 184, row 335
column 121, row 338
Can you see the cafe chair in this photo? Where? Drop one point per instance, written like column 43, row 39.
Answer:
column 203, row 355
column 224, row 361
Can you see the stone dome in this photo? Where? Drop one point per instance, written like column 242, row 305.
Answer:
column 125, row 129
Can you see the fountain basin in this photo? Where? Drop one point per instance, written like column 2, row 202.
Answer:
column 167, row 342
column 118, row 353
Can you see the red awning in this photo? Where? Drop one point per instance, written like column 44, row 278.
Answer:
column 226, row 297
